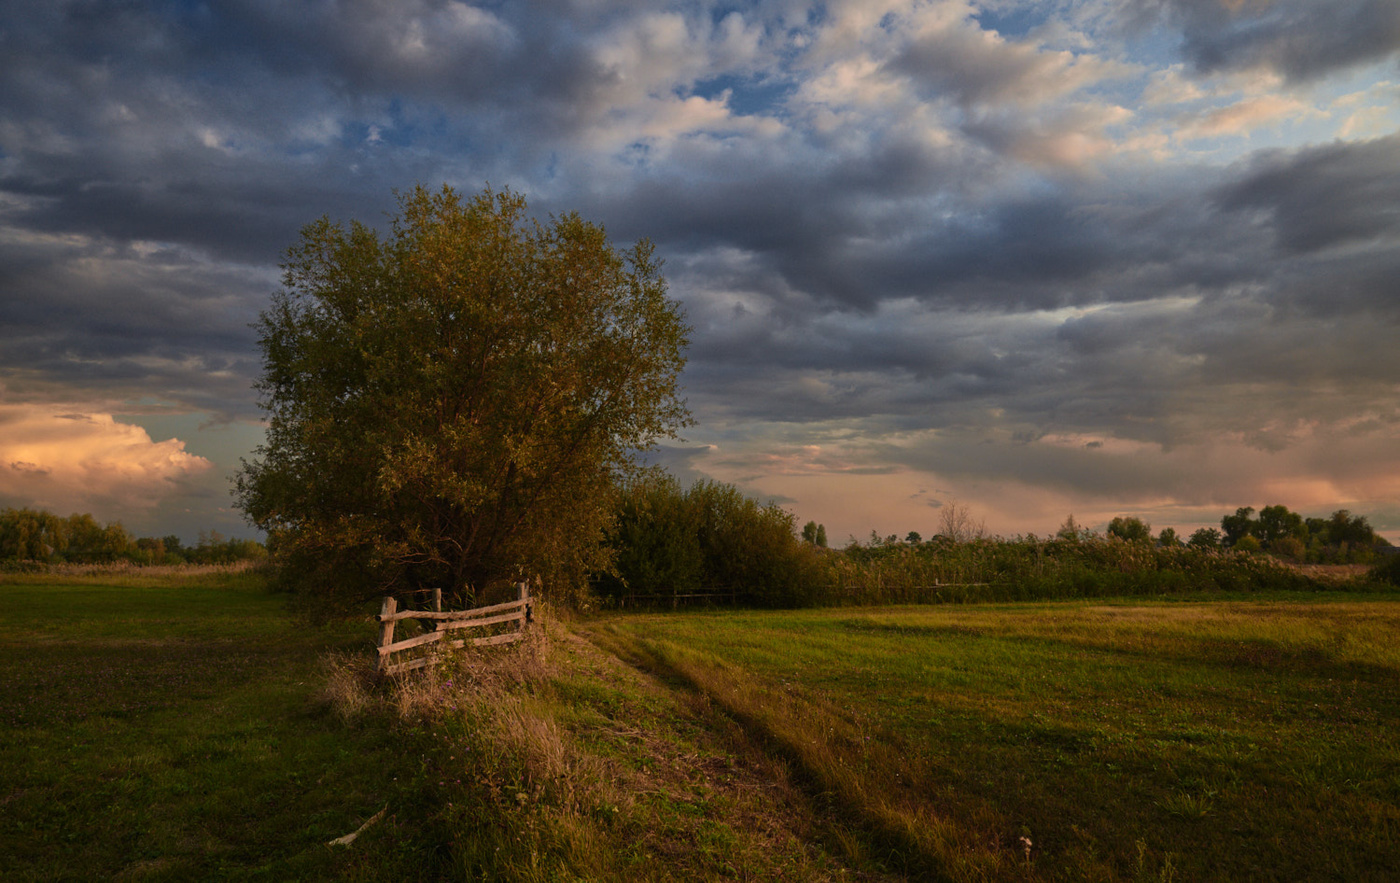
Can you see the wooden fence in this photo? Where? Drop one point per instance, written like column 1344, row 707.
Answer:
column 446, row 623
column 675, row 599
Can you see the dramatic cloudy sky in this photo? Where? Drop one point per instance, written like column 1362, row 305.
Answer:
column 1037, row 256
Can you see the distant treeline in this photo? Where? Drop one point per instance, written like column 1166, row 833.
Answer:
column 712, row 540
column 1343, row 538
column 30, row 535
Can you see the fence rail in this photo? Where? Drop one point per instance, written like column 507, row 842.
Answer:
column 444, row 624
column 733, row 597
column 677, row 599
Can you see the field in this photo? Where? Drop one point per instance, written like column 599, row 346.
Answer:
column 1222, row 740
column 192, row 727
column 168, row 727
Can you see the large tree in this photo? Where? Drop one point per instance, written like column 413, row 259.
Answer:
column 450, row 404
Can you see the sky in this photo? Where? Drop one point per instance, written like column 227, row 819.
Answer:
column 1036, row 257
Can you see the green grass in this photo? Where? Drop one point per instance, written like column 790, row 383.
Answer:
column 175, row 726
column 1226, row 740
column 168, row 727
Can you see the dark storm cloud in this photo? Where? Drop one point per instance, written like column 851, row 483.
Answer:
column 893, row 229
column 200, row 125
column 1324, row 197
column 1300, row 39
column 837, row 241
column 110, row 319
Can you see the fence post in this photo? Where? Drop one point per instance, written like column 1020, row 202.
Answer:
column 386, row 628
column 437, row 600
column 523, row 589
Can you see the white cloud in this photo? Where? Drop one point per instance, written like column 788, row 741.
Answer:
column 80, row 460
column 1246, row 116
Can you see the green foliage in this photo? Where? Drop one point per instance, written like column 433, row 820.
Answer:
column 1345, row 538
column 1277, row 523
column 42, row 538
column 1205, row 538
column 1168, row 538
column 1247, row 544
column 709, row 537
column 1029, row 568
column 1238, row 526
column 1072, row 531
column 1387, row 570
column 1289, row 548
column 1130, row 528
column 1341, row 539
column 450, row 405
column 29, row 535
column 656, row 539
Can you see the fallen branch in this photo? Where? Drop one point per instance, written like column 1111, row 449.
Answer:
column 350, row 838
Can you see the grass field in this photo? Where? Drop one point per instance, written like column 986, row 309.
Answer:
column 177, row 726
column 167, row 727
column 1224, row 740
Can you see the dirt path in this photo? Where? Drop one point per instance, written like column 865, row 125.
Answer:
column 711, row 802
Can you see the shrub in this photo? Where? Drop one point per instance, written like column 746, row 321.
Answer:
column 710, row 537
column 1387, row 571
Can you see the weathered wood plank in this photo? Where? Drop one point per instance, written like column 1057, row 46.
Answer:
column 417, row 641
column 478, row 623
column 450, row 614
column 508, row 638
column 386, row 630
column 424, row 661
column 420, row 662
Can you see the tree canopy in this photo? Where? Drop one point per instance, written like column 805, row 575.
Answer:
column 709, row 537
column 450, row 404
column 1130, row 528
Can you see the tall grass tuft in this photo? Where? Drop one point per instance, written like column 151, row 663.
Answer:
column 519, row 797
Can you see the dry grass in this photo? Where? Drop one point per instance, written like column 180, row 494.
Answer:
column 558, row 761
column 1333, row 574
column 349, row 689
column 522, row 790
column 462, row 679
column 64, row 572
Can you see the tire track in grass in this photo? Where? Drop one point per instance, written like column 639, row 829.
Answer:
column 870, row 813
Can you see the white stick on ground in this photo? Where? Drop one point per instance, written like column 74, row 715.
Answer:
column 350, row 838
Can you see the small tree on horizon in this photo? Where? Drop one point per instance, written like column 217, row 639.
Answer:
column 1204, row 538
column 957, row 523
column 1130, row 528
column 1073, row 531
column 1238, row 526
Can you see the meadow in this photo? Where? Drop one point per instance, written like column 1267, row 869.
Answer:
column 191, row 725
column 1242, row 739
column 169, row 725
